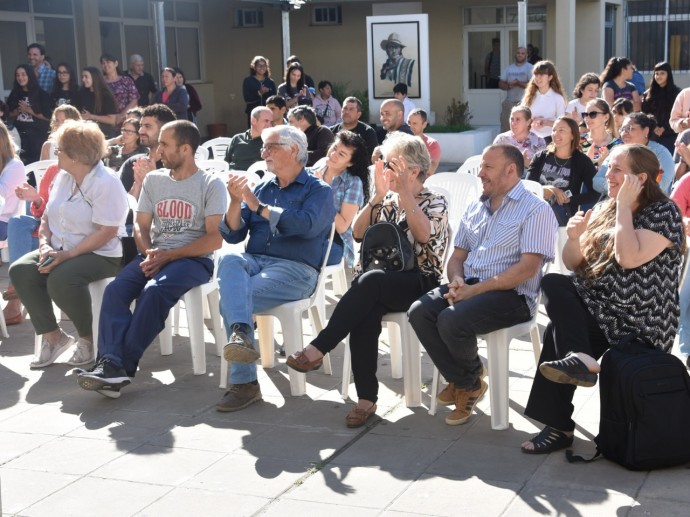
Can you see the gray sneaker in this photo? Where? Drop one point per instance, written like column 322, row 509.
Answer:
column 83, row 354
column 239, row 396
column 50, row 353
column 240, row 348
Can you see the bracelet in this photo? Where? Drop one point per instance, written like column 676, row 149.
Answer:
column 370, row 205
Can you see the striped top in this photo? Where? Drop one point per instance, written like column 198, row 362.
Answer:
column 523, row 223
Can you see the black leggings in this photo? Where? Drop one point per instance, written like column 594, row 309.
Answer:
column 572, row 329
column 359, row 314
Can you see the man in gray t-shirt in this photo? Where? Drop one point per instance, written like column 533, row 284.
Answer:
column 176, row 232
column 513, row 80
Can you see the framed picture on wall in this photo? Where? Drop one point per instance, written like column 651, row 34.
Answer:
column 395, row 57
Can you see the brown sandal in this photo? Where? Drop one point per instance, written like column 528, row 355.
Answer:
column 299, row 361
column 358, row 417
column 9, row 294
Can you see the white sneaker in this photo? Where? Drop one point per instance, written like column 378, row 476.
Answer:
column 83, row 354
column 49, row 353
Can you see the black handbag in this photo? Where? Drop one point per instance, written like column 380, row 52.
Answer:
column 385, row 246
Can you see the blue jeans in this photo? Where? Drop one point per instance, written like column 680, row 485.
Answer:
column 123, row 336
column 684, row 330
column 255, row 283
column 20, row 240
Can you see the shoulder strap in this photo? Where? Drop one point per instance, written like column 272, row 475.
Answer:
column 580, row 459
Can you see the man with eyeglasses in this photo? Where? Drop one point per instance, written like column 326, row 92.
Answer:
column 135, row 168
column 245, row 148
column 288, row 219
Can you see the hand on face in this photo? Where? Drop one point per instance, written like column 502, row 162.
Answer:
column 629, row 190
column 401, row 178
column 381, row 179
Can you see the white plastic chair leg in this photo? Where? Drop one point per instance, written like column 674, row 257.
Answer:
column 3, row 325
column 317, row 325
column 497, row 355
column 165, row 337
column 195, row 322
column 412, row 367
column 434, row 392
column 536, row 343
column 264, row 325
column 347, row 371
column 394, row 339
column 292, row 331
column 218, row 330
column 97, row 291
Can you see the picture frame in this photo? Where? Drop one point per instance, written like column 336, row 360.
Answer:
column 395, row 57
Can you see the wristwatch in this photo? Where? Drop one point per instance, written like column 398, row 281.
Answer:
column 261, row 208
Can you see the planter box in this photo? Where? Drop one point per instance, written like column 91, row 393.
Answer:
column 457, row 147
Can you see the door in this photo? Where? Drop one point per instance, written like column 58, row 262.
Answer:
column 482, row 46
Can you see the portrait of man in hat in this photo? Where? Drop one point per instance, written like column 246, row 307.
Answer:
column 397, row 68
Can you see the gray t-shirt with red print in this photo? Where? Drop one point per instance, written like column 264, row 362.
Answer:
column 180, row 208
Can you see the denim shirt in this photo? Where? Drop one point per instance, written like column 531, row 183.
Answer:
column 299, row 223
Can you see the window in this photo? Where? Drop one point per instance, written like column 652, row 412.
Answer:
column 321, row 15
column 127, row 28
column 501, row 15
column 609, row 31
column 654, row 35
column 249, row 18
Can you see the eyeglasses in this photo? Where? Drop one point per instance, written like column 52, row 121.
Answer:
column 56, row 151
column 387, row 165
column 268, row 148
column 591, row 114
column 125, row 131
column 628, row 129
column 63, row 72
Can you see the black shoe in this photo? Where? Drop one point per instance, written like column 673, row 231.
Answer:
column 240, row 348
column 104, row 377
column 570, row 370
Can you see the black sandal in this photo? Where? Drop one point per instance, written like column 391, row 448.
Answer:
column 569, row 370
column 549, row 440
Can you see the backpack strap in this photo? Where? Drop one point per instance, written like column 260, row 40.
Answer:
column 580, row 459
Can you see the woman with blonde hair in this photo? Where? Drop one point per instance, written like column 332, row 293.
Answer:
column 545, row 97
column 60, row 114
column 78, row 243
column 626, row 256
column 599, row 139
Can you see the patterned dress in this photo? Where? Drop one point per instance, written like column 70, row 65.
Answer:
column 642, row 301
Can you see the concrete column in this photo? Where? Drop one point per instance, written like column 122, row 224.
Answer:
column 565, row 43
column 91, row 31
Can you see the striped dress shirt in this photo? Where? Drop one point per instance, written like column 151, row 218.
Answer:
column 496, row 241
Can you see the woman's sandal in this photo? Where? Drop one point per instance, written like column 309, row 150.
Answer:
column 549, row 440
column 9, row 294
column 569, row 370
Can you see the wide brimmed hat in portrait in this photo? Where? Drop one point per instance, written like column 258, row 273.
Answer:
column 393, row 39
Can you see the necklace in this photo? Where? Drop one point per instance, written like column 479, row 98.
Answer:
column 555, row 158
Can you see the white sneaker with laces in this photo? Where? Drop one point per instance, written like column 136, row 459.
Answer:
column 83, row 354
column 50, row 353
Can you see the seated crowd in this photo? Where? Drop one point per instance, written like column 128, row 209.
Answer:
column 605, row 180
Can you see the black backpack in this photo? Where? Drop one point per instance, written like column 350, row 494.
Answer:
column 645, row 408
column 385, row 246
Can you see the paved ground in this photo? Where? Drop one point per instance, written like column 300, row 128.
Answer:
column 163, row 450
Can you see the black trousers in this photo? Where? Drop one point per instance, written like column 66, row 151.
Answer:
column 359, row 314
column 449, row 332
column 572, row 329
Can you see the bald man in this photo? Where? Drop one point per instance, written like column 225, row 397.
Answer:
column 392, row 113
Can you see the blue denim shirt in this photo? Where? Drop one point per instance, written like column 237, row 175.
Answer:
column 299, row 224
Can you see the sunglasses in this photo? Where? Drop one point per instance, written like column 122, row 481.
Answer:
column 591, row 114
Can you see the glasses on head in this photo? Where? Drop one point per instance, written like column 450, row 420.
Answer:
column 127, row 131
column 627, row 129
column 268, row 148
column 591, row 114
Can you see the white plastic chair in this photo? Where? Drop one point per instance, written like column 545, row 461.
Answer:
column 39, row 169
column 201, row 154
column 257, row 167
column 471, row 165
column 534, row 187
column 217, row 165
column 462, row 187
column 216, row 147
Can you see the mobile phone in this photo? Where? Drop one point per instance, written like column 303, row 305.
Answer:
column 568, row 194
column 46, row 262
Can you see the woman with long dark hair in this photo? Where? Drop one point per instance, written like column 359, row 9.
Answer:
column 194, row 100
column 30, row 109
column 615, row 82
column 345, row 169
column 562, row 168
column 294, row 90
column 172, row 95
column 626, row 256
column 258, row 85
column 65, row 86
column 658, row 101
column 96, row 101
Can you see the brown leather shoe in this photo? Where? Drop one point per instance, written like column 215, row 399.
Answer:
column 358, row 417
column 298, row 361
column 447, row 396
column 465, row 401
column 239, row 396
